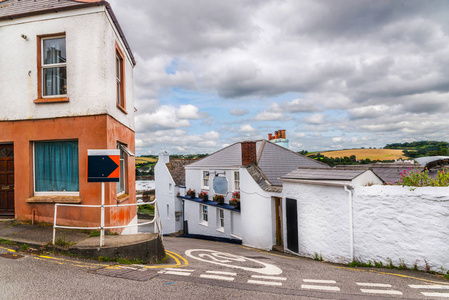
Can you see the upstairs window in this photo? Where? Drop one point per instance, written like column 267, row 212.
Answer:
column 120, row 79
column 53, row 71
column 205, row 180
column 121, row 184
column 237, row 180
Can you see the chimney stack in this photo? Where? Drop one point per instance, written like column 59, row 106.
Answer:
column 249, row 155
column 270, row 136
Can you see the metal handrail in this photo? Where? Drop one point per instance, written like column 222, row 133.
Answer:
column 156, row 218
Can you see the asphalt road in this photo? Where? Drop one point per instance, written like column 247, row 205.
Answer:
column 208, row 270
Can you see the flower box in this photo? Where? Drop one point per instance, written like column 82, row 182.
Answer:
column 219, row 199
column 203, row 196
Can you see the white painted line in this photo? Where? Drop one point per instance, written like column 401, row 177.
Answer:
column 264, row 282
column 217, row 277
column 441, row 295
column 388, row 292
column 374, row 284
column 268, row 277
column 176, row 269
column 320, row 287
column 318, row 281
column 177, row 273
column 430, row 287
column 221, row 273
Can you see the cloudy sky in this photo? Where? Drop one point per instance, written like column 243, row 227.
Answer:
column 334, row 74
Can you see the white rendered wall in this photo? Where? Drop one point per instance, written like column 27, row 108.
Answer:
column 394, row 222
column 163, row 179
column 257, row 214
column 91, row 83
column 194, row 181
column 323, row 220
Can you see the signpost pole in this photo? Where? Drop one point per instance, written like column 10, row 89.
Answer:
column 102, row 216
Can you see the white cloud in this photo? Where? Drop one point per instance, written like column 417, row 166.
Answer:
column 188, row 112
column 238, row 112
column 246, row 128
column 316, row 119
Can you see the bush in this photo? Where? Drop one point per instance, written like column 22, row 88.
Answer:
column 419, row 179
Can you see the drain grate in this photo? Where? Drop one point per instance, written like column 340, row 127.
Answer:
column 131, row 274
column 11, row 255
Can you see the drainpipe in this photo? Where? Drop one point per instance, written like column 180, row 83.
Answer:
column 351, row 227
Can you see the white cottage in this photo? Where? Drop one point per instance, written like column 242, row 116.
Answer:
column 253, row 170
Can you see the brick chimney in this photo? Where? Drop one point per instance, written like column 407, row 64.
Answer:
column 249, row 155
column 270, row 136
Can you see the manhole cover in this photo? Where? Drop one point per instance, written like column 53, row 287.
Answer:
column 136, row 274
column 11, row 255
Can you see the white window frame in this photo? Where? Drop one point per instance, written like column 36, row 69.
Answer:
column 49, row 66
column 237, row 181
column 61, row 193
column 203, row 179
column 204, row 214
column 220, row 219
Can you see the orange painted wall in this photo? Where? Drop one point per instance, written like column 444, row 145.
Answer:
column 92, row 132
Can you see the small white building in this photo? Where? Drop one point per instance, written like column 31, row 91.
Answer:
column 169, row 181
column 252, row 169
column 318, row 206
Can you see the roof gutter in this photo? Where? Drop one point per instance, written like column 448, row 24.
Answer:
column 318, row 182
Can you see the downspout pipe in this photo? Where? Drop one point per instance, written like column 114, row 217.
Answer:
column 351, row 224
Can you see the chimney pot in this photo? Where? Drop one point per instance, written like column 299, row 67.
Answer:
column 270, row 136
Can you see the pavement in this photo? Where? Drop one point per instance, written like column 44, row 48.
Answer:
column 144, row 247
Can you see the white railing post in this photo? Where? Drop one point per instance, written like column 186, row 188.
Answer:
column 54, row 224
column 102, row 216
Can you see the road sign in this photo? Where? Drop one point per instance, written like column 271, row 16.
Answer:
column 103, row 165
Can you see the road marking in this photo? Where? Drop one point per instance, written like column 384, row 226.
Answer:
column 431, row 287
column 221, row 273
column 374, row 284
column 441, row 295
column 264, row 282
column 217, row 277
column 178, row 270
column 233, row 261
column 268, row 277
column 388, row 292
column 177, row 257
column 320, row 287
column 175, row 273
column 318, row 281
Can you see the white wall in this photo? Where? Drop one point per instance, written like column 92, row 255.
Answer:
column 390, row 222
column 90, row 42
column 194, row 181
column 257, row 213
column 394, row 222
column 162, row 179
column 323, row 220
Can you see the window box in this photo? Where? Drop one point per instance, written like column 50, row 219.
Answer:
column 235, row 204
column 203, row 196
column 191, row 193
column 219, row 199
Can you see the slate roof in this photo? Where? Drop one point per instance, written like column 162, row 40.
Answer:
column 177, row 170
column 273, row 162
column 323, row 174
column 14, row 9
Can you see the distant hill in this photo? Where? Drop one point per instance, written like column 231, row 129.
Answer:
column 372, row 154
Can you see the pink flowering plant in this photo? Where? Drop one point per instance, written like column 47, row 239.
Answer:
column 202, row 194
column 422, row 178
column 191, row 193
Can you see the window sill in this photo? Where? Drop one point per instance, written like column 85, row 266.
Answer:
column 55, row 199
column 51, row 100
column 205, row 224
column 122, row 109
column 220, row 230
column 122, row 198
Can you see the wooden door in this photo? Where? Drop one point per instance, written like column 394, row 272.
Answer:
column 292, row 224
column 279, row 241
column 7, row 180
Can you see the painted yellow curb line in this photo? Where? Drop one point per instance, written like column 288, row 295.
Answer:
column 175, row 256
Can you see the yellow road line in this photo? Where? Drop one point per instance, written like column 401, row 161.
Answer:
column 175, row 256
column 10, row 250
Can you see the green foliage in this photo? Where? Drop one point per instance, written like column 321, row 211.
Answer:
column 421, row 148
column 61, row 242
column 123, row 261
column 378, row 264
column 94, row 233
column 24, row 247
column 146, row 209
column 7, row 242
column 351, row 160
column 419, row 179
column 318, row 257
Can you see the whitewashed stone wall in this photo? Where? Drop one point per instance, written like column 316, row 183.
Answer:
column 402, row 224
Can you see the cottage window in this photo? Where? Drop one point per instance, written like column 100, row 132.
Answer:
column 204, row 216
column 52, row 67
column 236, row 180
column 56, row 168
column 220, row 219
column 205, row 181
column 120, row 79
